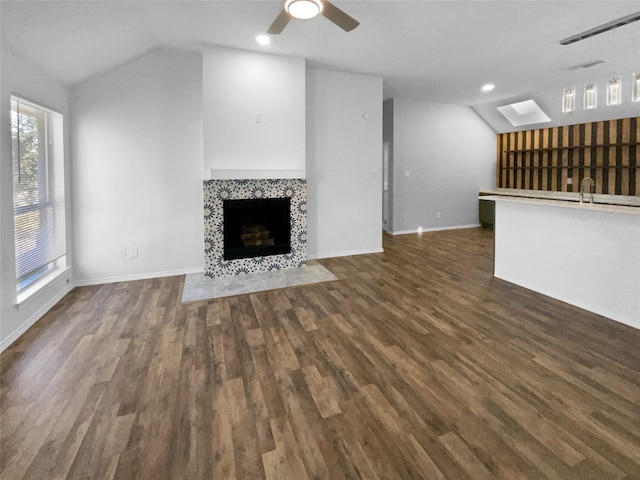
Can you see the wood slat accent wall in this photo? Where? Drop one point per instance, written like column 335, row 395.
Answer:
column 546, row 158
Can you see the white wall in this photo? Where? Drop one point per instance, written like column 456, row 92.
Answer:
column 254, row 114
column 137, row 169
column 449, row 154
column 550, row 101
column 344, row 163
column 25, row 80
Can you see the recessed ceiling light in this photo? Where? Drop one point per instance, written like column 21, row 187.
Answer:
column 488, row 87
column 263, row 39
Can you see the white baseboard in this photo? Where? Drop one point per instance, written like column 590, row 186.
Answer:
column 137, row 276
column 435, row 229
column 17, row 333
column 345, row 253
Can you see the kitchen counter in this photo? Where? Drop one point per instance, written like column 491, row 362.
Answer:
column 586, row 255
column 628, row 200
column 570, row 204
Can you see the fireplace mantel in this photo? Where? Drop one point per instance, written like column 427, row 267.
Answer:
column 221, row 174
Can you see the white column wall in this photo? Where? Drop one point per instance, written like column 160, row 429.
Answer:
column 344, row 163
column 254, row 114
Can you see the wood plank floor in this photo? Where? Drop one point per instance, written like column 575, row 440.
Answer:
column 415, row 364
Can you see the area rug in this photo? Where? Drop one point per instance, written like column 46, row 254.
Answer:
column 197, row 287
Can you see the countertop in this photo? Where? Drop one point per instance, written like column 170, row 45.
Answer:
column 585, row 206
column 599, row 199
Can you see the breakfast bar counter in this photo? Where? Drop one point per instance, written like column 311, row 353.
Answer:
column 585, row 254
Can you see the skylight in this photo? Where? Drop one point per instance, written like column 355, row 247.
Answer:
column 523, row 113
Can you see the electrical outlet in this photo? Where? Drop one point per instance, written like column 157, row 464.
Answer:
column 123, row 253
column 438, row 215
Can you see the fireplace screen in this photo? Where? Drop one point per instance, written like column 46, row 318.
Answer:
column 256, row 227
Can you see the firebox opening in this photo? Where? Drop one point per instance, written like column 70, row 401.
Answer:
column 256, row 227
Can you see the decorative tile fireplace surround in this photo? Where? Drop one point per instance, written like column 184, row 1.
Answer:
column 216, row 191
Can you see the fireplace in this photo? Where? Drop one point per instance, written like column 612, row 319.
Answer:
column 253, row 203
column 256, row 227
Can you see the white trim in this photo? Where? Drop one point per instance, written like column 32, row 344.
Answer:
column 17, row 333
column 436, row 229
column 219, row 174
column 346, row 253
column 137, row 276
column 40, row 286
column 36, row 103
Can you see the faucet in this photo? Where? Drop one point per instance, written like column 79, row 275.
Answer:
column 591, row 183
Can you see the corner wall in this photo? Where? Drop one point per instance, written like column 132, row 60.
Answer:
column 23, row 79
column 344, row 163
column 442, row 156
column 137, row 169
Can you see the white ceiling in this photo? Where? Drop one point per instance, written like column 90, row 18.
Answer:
column 432, row 50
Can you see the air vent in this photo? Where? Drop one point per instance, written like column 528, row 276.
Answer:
column 590, row 64
column 634, row 17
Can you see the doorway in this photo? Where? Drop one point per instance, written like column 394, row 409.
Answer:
column 386, row 222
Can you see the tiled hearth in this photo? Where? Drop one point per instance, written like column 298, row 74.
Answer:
column 216, row 191
column 198, row 288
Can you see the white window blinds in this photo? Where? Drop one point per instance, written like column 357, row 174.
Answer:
column 38, row 189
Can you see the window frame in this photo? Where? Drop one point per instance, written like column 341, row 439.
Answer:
column 50, row 194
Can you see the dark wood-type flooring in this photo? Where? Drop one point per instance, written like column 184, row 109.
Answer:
column 415, row 364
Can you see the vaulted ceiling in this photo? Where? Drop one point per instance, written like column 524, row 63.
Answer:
column 441, row 51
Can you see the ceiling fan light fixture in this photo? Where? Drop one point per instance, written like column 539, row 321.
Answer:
column 303, row 9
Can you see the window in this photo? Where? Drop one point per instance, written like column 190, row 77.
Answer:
column 568, row 100
column 38, row 194
column 523, row 113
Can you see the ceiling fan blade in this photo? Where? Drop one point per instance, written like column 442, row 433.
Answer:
column 279, row 23
column 337, row 16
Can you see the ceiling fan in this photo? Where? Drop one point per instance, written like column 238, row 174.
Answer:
column 305, row 9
